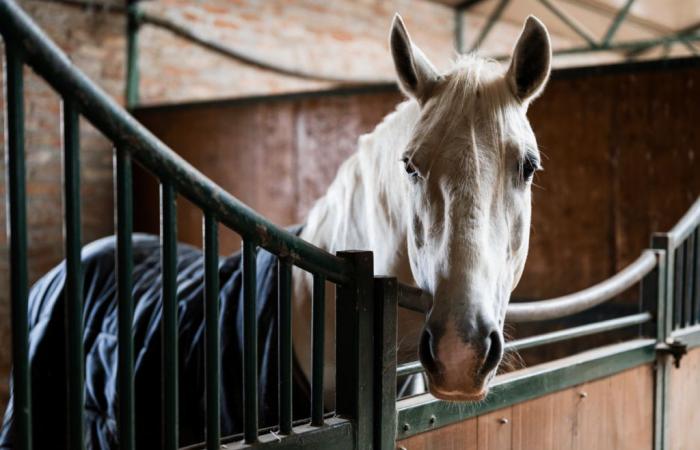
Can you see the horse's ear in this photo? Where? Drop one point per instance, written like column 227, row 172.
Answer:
column 531, row 63
column 415, row 72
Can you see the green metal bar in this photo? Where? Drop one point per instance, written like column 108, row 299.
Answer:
column 17, row 230
column 550, row 338
column 493, row 18
column 74, row 299
column 580, row 331
column 678, row 269
column 318, row 316
column 126, row 132
column 385, row 318
column 284, row 298
column 213, row 335
column 688, row 283
column 619, row 18
column 696, row 278
column 419, row 414
column 354, row 341
column 132, row 54
column 570, row 22
column 250, row 344
column 124, row 221
column 169, row 320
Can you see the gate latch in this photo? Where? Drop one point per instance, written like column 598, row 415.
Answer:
column 673, row 347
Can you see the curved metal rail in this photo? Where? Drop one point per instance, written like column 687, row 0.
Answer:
column 685, row 226
column 416, row 300
column 126, row 132
column 585, row 299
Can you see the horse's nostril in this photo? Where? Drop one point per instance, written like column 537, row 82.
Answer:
column 426, row 350
column 493, row 352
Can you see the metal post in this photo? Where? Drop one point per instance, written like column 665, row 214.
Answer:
column 169, row 324
column 17, row 235
column 74, row 287
column 250, row 344
column 284, row 299
column 318, row 319
column 211, row 305
column 385, row 317
column 124, row 225
column 354, row 341
column 132, row 53
column 664, row 322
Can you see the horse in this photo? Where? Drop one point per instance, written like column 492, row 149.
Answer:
column 440, row 191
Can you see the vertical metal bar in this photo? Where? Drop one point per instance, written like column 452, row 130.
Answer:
column 678, row 291
column 250, row 345
column 493, row 18
column 318, row 318
column 617, row 21
column 211, row 302
column 124, row 224
column 689, row 272
column 696, row 277
column 354, row 341
column 132, row 53
column 664, row 325
column 385, row 317
column 17, row 235
column 284, row 304
column 74, row 299
column 169, row 325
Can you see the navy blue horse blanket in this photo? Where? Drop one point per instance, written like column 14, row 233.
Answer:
column 47, row 348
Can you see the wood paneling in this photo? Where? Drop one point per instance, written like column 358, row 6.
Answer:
column 613, row 413
column 621, row 147
column 684, row 414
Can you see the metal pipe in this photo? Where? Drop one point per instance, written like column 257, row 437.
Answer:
column 318, row 317
column 284, row 342
column 169, row 319
column 550, row 338
column 75, row 367
column 685, row 226
column 493, row 18
column 575, row 332
column 585, row 299
column 127, row 133
column 132, row 54
column 213, row 332
column 250, row 344
column 619, row 18
column 124, row 223
column 17, row 235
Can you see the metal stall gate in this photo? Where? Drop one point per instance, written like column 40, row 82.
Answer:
column 367, row 414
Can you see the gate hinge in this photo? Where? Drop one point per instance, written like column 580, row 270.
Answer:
column 673, row 347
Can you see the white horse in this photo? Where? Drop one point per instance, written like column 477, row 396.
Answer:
column 440, row 192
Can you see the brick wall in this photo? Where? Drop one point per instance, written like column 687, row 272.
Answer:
column 345, row 38
column 95, row 43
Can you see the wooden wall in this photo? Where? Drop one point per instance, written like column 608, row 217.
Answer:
column 621, row 146
column 684, row 413
column 613, row 413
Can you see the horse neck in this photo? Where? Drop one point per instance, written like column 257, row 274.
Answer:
column 364, row 208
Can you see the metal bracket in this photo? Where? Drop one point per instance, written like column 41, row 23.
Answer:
column 673, row 347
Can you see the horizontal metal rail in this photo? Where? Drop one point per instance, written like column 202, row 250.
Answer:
column 417, row 300
column 580, row 331
column 127, row 133
column 585, row 299
column 550, row 338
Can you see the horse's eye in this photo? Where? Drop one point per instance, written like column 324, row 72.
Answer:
column 410, row 168
column 529, row 166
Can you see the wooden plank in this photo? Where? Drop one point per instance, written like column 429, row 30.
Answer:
column 613, row 413
column 684, row 414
